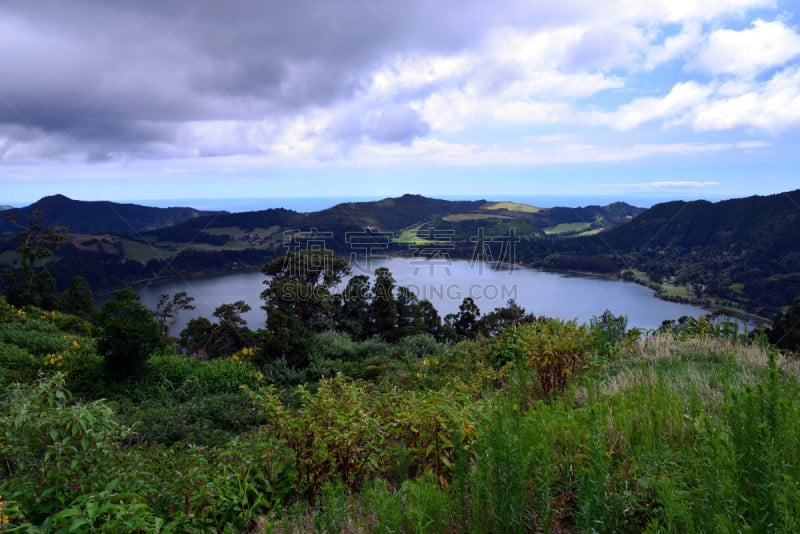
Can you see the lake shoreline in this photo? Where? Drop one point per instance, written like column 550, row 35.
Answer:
column 569, row 296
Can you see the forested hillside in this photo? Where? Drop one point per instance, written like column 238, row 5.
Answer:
column 741, row 253
column 744, row 250
column 98, row 217
column 149, row 248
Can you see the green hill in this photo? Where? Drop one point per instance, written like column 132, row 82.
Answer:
column 99, row 217
column 744, row 250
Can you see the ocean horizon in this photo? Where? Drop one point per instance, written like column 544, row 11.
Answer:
column 311, row 204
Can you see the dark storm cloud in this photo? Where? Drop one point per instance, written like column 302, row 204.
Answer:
column 110, row 77
column 399, row 124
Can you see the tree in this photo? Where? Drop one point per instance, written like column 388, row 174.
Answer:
column 298, row 301
column 464, row 324
column 383, row 310
column 430, row 318
column 409, row 313
column 207, row 340
column 495, row 321
column 43, row 292
column 37, row 241
column 78, row 299
column 467, row 319
column 128, row 334
column 785, row 331
column 194, row 338
column 231, row 333
column 354, row 312
column 168, row 309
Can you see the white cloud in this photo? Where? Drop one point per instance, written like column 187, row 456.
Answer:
column 672, row 11
column 684, row 183
column 678, row 102
column 748, row 52
column 773, row 106
column 436, row 152
column 675, row 46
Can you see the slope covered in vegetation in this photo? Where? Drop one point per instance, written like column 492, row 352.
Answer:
column 545, row 427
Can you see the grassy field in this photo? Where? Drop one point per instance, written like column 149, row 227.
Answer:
column 238, row 231
column 461, row 217
column 511, row 206
column 138, row 251
column 266, row 232
column 593, row 231
column 224, row 230
column 409, row 235
column 567, row 228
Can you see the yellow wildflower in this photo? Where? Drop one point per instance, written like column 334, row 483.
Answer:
column 4, row 519
column 425, row 362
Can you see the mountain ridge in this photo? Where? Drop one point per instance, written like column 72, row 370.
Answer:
column 741, row 250
column 100, row 216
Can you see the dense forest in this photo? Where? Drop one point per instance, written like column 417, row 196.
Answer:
column 745, row 250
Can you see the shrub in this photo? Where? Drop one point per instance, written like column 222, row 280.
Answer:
column 555, row 349
column 128, row 334
column 608, row 333
column 53, row 451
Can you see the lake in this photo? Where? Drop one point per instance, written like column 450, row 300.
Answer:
column 446, row 283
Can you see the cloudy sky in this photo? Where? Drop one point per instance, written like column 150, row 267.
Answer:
column 159, row 99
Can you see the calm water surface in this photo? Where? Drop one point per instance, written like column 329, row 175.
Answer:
column 446, row 284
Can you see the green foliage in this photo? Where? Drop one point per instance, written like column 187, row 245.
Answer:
column 78, row 299
column 765, row 449
column 382, row 507
column 426, row 505
column 785, row 331
column 503, row 464
column 555, row 350
column 207, row 340
column 298, row 300
column 16, row 365
column 331, row 517
column 336, row 435
column 106, row 510
column 38, row 337
column 679, row 433
column 128, row 334
column 609, row 333
column 169, row 308
column 178, row 398
column 705, row 326
column 53, row 451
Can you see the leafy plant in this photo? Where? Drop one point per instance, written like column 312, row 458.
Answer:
column 54, row 451
column 555, row 350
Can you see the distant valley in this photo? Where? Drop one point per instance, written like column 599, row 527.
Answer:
column 739, row 253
